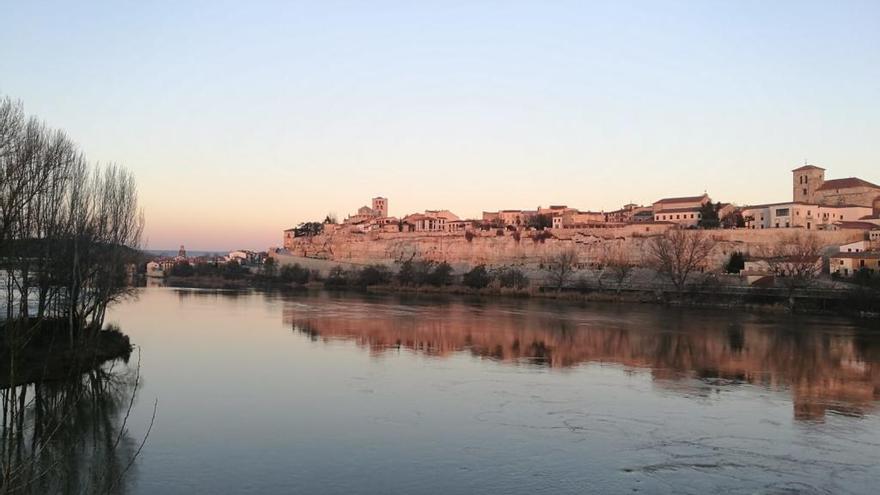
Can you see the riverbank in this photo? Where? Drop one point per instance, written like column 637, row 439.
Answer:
column 47, row 355
column 752, row 300
column 861, row 303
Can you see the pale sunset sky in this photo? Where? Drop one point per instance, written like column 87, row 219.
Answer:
column 241, row 119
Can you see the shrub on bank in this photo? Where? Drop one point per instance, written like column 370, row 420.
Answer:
column 233, row 270
column 421, row 272
column 182, row 269
column 735, row 263
column 372, row 275
column 440, row 275
column 511, row 278
column 294, row 273
column 477, row 278
column 338, row 278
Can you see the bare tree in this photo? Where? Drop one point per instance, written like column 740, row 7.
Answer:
column 679, row 253
column 561, row 267
column 796, row 260
column 617, row 263
column 69, row 232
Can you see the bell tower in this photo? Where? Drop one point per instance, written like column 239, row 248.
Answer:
column 805, row 181
column 380, row 206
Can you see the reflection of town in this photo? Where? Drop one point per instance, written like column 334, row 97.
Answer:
column 824, row 370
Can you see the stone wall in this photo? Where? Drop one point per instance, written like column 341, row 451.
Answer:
column 528, row 251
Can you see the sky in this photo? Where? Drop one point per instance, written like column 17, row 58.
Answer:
column 241, row 119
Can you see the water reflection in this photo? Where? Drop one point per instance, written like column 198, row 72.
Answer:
column 825, row 366
column 69, row 436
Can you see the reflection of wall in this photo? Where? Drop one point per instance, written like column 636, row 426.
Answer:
column 823, row 372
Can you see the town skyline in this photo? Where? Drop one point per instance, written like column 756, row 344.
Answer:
column 242, row 120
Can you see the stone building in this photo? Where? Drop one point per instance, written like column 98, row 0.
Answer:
column 630, row 213
column 809, row 186
column 430, row 221
column 380, row 206
column 366, row 214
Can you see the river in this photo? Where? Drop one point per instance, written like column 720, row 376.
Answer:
column 341, row 393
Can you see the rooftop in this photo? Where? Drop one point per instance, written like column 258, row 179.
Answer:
column 685, row 199
column 848, row 183
column 807, row 167
column 857, row 225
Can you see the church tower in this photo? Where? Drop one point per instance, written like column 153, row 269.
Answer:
column 805, row 181
column 380, row 206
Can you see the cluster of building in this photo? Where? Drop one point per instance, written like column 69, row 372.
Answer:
column 160, row 266
column 820, row 204
column 817, row 204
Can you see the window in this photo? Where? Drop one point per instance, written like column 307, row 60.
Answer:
column 805, row 191
column 782, row 212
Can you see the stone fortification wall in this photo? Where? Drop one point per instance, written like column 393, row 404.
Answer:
column 489, row 248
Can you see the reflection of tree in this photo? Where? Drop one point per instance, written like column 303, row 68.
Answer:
column 69, row 436
column 823, row 370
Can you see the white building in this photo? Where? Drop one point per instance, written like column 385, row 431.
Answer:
column 798, row 214
column 684, row 211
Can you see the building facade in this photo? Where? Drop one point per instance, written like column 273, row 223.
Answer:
column 799, row 214
column 810, row 186
column 685, row 211
column 848, row 264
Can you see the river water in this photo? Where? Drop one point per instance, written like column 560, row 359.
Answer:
column 341, row 393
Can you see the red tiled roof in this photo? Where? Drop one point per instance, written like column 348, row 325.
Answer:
column 857, row 225
column 849, row 182
column 678, row 210
column 686, row 199
column 807, row 167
